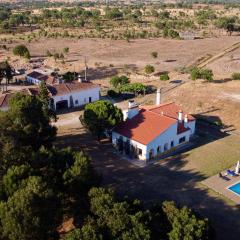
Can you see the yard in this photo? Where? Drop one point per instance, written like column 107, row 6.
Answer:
column 178, row 178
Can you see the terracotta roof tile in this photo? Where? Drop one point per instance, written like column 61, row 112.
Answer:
column 145, row 126
column 170, row 110
column 65, row 88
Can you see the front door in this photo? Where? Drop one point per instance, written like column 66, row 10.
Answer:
column 90, row 99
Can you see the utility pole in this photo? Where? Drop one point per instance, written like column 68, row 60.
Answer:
column 86, row 68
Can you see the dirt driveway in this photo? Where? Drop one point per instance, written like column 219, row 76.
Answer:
column 171, row 179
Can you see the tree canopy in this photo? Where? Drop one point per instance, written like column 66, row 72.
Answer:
column 21, row 51
column 100, row 116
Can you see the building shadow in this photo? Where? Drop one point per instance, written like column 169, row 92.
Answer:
column 168, row 179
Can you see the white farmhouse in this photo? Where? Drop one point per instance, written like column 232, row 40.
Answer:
column 36, row 77
column 64, row 95
column 75, row 94
column 151, row 131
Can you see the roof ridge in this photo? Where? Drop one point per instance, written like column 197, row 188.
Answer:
column 162, row 115
column 165, row 104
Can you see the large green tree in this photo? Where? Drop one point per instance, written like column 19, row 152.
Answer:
column 5, row 71
column 21, row 51
column 100, row 116
column 24, row 128
column 29, row 213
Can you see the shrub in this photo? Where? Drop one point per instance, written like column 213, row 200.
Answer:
column 21, row 51
column 154, row 54
column 164, row 77
column 236, row 76
column 197, row 73
column 149, row 69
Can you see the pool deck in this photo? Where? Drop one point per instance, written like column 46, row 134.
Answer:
column 221, row 185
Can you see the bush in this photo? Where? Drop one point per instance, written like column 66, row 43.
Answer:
column 164, row 77
column 197, row 73
column 21, row 51
column 154, row 54
column 149, row 69
column 236, row 76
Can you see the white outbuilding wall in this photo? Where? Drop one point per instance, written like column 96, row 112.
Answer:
column 79, row 98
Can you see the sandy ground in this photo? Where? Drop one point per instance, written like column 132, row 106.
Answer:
column 135, row 55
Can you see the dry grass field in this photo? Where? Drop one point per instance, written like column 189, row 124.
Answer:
column 219, row 100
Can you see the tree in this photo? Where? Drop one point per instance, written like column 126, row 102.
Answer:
column 154, row 54
column 21, row 51
column 5, row 71
column 24, row 128
column 164, row 77
column 46, row 101
column 118, row 81
column 29, row 213
column 197, row 73
column 81, row 176
column 101, row 116
column 136, row 88
column 149, row 69
column 12, row 180
column 185, row 225
column 236, row 76
column 227, row 23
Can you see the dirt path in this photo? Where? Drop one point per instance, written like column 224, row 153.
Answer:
column 207, row 61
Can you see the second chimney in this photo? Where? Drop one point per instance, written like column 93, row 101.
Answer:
column 180, row 116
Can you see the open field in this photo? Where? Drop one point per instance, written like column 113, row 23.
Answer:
column 178, row 178
column 134, row 55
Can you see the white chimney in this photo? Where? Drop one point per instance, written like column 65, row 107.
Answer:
column 186, row 121
column 133, row 109
column 158, row 97
column 180, row 116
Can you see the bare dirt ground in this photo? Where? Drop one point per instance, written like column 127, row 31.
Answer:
column 119, row 53
column 107, row 58
column 177, row 178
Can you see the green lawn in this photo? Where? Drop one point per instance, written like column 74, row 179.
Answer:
column 216, row 156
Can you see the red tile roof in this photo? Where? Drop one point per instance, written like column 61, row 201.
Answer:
column 6, row 97
column 170, row 110
column 65, row 88
column 151, row 122
column 145, row 126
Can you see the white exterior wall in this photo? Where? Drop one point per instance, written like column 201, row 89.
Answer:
column 82, row 97
column 136, row 144
column 32, row 80
column 164, row 139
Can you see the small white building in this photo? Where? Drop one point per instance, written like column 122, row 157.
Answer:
column 151, row 131
column 36, row 77
column 75, row 94
column 63, row 96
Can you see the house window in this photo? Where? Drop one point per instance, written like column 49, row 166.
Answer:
column 172, row 144
column 165, row 147
column 76, row 102
column 159, row 149
column 139, row 150
column 182, row 140
column 151, row 154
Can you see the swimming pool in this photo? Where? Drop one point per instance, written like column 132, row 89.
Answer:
column 235, row 188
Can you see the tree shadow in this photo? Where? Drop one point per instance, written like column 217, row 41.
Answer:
column 168, row 179
column 224, row 80
column 100, row 73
